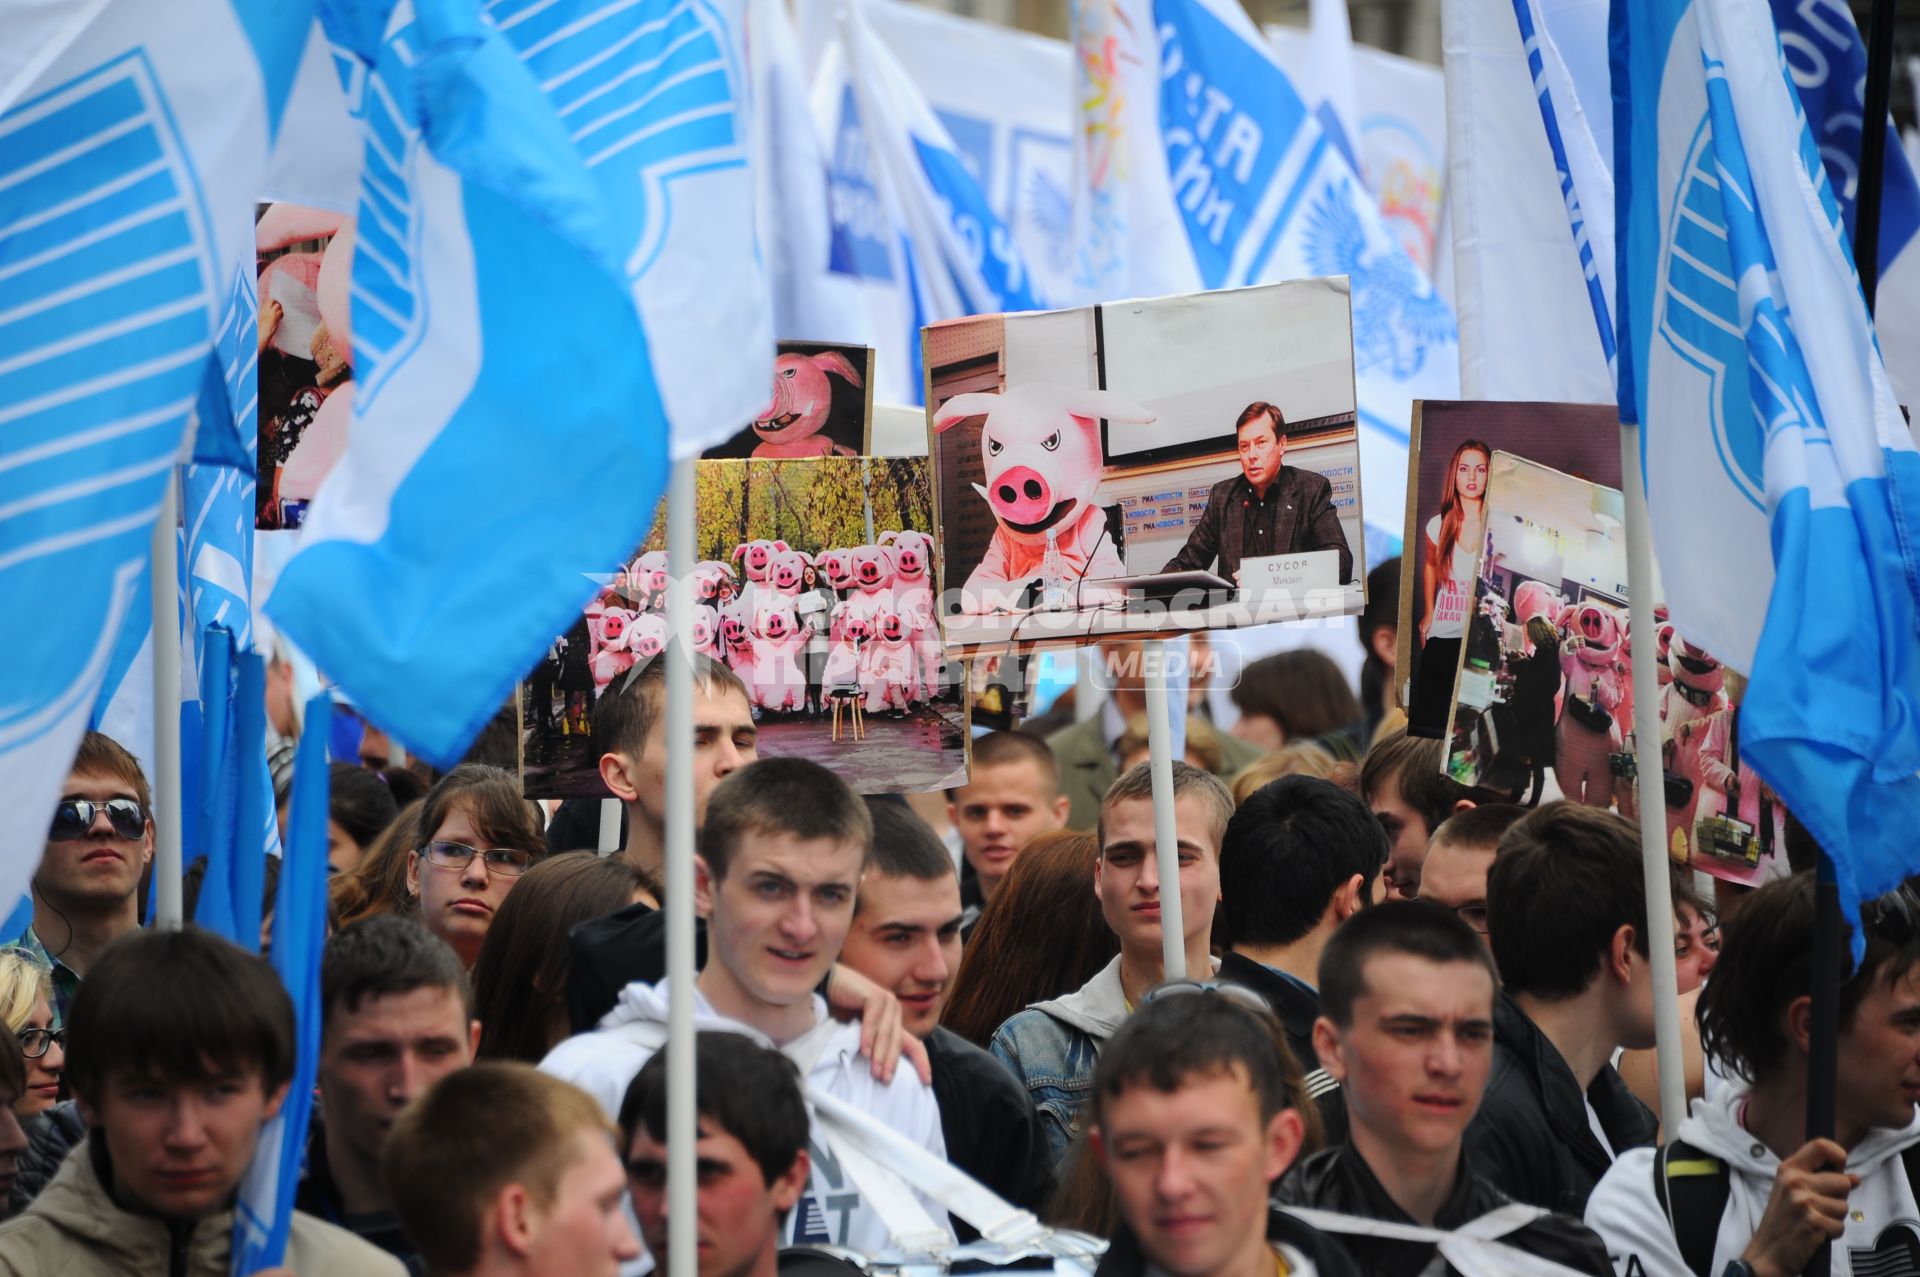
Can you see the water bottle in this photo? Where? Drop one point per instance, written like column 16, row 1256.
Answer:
column 1053, row 583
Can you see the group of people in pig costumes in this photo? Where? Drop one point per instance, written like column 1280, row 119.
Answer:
column 1582, row 654
column 797, row 628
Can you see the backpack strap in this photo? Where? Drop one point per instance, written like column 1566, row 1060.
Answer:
column 1692, row 1187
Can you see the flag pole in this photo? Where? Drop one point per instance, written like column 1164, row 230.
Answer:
column 1166, row 838
column 1873, row 149
column 1652, row 798
column 683, row 1242
column 168, row 823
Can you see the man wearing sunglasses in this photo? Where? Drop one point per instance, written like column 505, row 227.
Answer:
column 86, row 893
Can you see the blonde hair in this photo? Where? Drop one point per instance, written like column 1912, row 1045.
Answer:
column 1301, row 758
column 23, row 981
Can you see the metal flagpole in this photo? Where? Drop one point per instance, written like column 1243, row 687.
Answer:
column 169, row 904
column 609, row 826
column 1652, row 804
column 1173, row 943
column 683, row 1205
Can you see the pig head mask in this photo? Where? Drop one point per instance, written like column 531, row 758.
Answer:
column 790, row 425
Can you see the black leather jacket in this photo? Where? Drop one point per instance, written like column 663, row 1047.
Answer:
column 1338, row 1179
column 1124, row 1258
column 1531, row 1138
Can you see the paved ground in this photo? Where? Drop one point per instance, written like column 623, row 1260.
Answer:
column 926, row 750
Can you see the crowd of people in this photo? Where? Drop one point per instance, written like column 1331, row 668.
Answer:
column 1413, row 1033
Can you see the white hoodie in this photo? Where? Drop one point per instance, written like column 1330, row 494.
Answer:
column 833, row 1212
column 1883, row 1222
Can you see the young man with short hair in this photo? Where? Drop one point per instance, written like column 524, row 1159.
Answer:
column 1299, row 858
column 1406, row 1025
column 500, row 1171
column 396, row 1016
column 86, row 892
column 906, row 939
column 779, row 864
column 752, row 1153
column 1190, row 1118
column 1011, row 796
column 1459, row 857
column 1051, row 1046
column 1567, row 924
column 1740, row 1191
column 180, row 1048
column 1403, row 781
column 630, row 729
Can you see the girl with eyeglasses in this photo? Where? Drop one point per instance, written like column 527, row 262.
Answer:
column 26, row 1004
column 479, row 837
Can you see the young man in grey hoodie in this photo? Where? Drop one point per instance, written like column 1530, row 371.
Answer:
column 780, row 859
column 1052, row 1046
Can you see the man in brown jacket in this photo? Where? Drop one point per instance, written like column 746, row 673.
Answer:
column 180, row 1047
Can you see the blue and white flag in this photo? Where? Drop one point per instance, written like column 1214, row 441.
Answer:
column 1215, row 161
column 653, row 95
column 264, row 1213
column 509, row 433
column 794, row 200
column 132, row 140
column 972, row 264
column 1784, row 485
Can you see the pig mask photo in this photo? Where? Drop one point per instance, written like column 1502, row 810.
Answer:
column 790, row 426
column 1041, row 448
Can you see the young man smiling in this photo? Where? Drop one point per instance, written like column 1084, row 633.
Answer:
column 1051, row 1046
column 779, row 864
column 1012, row 795
column 183, row 1048
column 1192, row 1124
column 1406, row 1025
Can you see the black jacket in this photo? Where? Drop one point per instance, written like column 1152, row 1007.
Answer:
column 1531, row 1138
column 1297, row 514
column 1124, row 1258
column 319, row 1197
column 987, row 1117
column 1297, row 1009
column 50, row 1137
column 1338, row 1179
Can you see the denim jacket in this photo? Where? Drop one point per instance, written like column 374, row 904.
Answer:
column 1051, row 1047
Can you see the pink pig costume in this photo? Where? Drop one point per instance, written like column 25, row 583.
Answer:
column 1041, row 447
column 1587, row 733
column 790, row 425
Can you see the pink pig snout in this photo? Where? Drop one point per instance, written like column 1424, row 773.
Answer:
column 1022, row 495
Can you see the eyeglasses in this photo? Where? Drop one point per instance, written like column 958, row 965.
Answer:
column 34, row 1042
column 74, row 818
column 504, row 861
column 1236, row 993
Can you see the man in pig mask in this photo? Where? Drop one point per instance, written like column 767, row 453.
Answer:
column 1271, row 508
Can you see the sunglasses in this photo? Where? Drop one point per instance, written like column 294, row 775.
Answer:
column 74, row 818
column 1238, row 994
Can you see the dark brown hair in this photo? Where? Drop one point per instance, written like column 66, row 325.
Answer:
column 1413, row 765
column 1261, row 408
column 781, row 796
column 1302, row 690
column 520, row 977
column 183, row 1006
column 490, row 796
column 1565, row 879
column 1048, row 892
column 102, row 755
column 1766, row 962
column 378, row 884
column 624, row 715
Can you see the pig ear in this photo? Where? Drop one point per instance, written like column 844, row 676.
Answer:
column 1105, row 403
column 887, row 538
column 779, row 545
column 834, row 362
column 739, row 550
column 957, row 409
